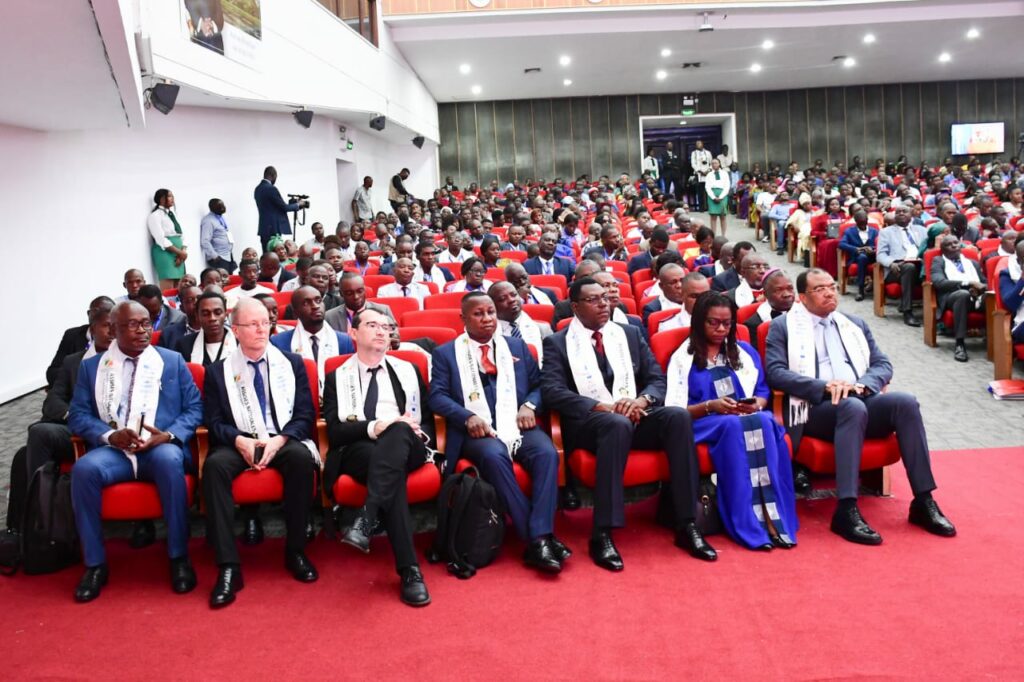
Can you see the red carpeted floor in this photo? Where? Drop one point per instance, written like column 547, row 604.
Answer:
column 917, row 607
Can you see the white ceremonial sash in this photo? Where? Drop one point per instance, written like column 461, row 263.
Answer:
column 619, row 316
column 435, row 275
column 764, row 311
column 530, row 331
column 350, row 392
column 803, row 357
column 506, row 403
column 970, row 274
column 245, row 405
column 541, row 297
column 585, row 370
column 145, row 396
column 667, row 304
column 328, row 348
column 677, row 392
column 199, row 349
column 744, row 294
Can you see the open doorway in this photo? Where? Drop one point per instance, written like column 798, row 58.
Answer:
column 348, row 181
column 714, row 130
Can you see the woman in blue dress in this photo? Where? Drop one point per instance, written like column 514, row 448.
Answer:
column 721, row 382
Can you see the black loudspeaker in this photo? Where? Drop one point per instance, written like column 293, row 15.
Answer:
column 377, row 122
column 162, row 96
column 418, row 141
column 304, row 118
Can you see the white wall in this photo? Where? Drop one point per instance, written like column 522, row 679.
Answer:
column 76, row 202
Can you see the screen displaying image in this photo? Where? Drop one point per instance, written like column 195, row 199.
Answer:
column 977, row 138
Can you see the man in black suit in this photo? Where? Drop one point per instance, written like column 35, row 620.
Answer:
column 271, row 270
column 160, row 314
column 604, row 381
column 563, row 309
column 779, row 296
column 272, row 209
column 172, row 334
column 672, row 172
column 263, row 418
column 960, row 286
column 658, row 245
column 404, row 248
column 76, row 339
column 730, row 279
column 545, row 262
column 670, row 277
column 379, row 425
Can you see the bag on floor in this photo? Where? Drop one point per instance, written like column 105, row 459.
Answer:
column 470, row 524
column 49, row 538
column 706, row 516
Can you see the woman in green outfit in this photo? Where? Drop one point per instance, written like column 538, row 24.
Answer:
column 169, row 251
column 717, row 185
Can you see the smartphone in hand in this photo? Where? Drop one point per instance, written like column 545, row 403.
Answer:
column 257, row 454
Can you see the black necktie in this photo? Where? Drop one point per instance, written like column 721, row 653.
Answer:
column 370, row 404
column 314, row 342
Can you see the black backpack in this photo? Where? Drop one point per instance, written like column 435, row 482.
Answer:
column 49, row 537
column 470, row 524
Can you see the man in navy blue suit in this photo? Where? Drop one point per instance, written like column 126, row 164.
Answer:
column 858, row 243
column 487, row 387
column 272, row 208
column 546, row 263
column 604, row 381
column 260, row 414
column 136, row 407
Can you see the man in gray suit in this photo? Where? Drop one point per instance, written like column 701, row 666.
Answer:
column 897, row 250
column 960, row 286
column 834, row 381
column 353, row 293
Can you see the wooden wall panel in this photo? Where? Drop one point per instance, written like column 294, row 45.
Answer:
column 776, row 116
column 503, row 125
column 487, row 143
column 543, row 139
column 797, row 102
column 855, row 125
column 623, row 137
column 756, row 128
column 581, row 150
column 561, row 116
column 836, row 130
column 912, row 146
column 522, row 133
column 468, row 169
column 448, row 151
column 600, row 137
column 632, row 133
column 892, row 117
column 1004, row 112
column 948, row 107
column 817, row 127
column 931, row 128
column 967, row 101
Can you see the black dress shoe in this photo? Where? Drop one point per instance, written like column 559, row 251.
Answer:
column 604, row 553
column 183, row 576
column 568, row 499
column 93, row 580
column 859, row 296
column 541, row 555
column 561, row 551
column 926, row 513
column 960, row 352
column 143, row 534
column 414, row 590
column 229, row 581
column 850, row 525
column 801, row 479
column 253, row 534
column 690, row 538
column 781, row 542
column 359, row 533
column 910, row 320
column 779, row 252
column 301, row 567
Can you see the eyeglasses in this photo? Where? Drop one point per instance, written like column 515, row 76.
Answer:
column 136, row 325
column 374, row 326
column 253, row 325
column 755, row 266
column 594, row 300
column 718, row 324
column 823, row 288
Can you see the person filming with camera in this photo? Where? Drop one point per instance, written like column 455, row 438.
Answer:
column 272, row 208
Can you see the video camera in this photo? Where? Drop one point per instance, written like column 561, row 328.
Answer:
column 293, row 198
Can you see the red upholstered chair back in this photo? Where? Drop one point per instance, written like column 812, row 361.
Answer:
column 981, row 244
column 449, row 300
column 664, row 344
column 454, row 268
column 439, row 335
column 269, row 285
column 154, row 338
column 314, row 385
column 539, row 312
column 625, row 290
column 233, row 280
column 762, row 339
column 562, row 324
column 617, row 265
column 284, row 299
column 411, row 356
column 639, row 287
column 170, row 293
column 445, row 317
column 517, row 256
column 377, row 281
column 198, row 375
column 399, row 304
column 630, row 304
column 640, row 275
column 746, row 312
column 656, row 318
column 556, row 282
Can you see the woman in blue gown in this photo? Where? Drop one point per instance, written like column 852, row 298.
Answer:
column 721, row 382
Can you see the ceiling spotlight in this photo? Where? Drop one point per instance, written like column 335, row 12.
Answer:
column 566, row 82
column 661, row 74
column 768, row 44
column 945, row 57
column 303, row 117
column 476, row 89
column 565, row 60
column 162, row 97
column 665, row 52
column 849, row 61
column 755, row 67
column 682, row 123
column 869, row 38
column 973, row 33
column 464, row 69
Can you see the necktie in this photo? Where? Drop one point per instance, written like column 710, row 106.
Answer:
column 602, row 361
column 906, row 231
column 314, row 343
column 547, row 268
column 426, row 277
column 405, row 291
column 599, row 343
column 485, row 362
column 960, row 266
column 131, row 387
column 370, row 404
column 259, row 386
column 836, row 354
column 515, row 330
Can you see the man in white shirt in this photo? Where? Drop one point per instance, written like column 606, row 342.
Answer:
column 347, row 248
column 724, row 157
column 215, row 238
column 454, row 253
column 403, row 286
column 315, row 244
column 249, row 270
column 362, row 202
column 700, row 161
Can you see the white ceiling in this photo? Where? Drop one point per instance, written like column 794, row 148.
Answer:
column 617, row 50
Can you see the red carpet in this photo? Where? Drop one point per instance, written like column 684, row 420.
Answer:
column 917, row 607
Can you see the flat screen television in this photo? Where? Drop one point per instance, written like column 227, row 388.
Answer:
column 977, row 138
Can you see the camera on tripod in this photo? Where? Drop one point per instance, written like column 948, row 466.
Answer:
column 295, row 198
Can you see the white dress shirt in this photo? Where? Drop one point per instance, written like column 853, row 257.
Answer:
column 387, row 403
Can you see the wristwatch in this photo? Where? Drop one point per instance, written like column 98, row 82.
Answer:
column 175, row 440
column 530, row 405
column 649, row 398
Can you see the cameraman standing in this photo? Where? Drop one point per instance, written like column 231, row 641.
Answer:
column 272, row 208
column 398, row 195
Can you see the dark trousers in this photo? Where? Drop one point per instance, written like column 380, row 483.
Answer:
column 611, row 436
column 698, row 195
column 535, row 517
column 224, row 464
column 674, row 179
column 854, row 419
column 907, row 279
column 863, row 261
column 228, row 265
column 960, row 302
column 382, row 466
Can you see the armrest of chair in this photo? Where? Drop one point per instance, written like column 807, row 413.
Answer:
column 989, row 305
column 1002, row 344
column 813, row 246
column 440, row 432
column 841, row 269
column 321, row 439
column 928, row 321
column 878, row 288
column 555, row 422
column 778, row 400
column 200, row 446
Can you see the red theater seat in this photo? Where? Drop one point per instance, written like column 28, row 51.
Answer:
column 445, row 317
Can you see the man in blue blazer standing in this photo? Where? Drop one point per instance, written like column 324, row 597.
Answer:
column 487, row 387
column 136, row 407
column 272, row 208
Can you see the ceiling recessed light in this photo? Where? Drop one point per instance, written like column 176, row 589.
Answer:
column 476, row 89
column 566, row 82
column 755, row 67
column 768, row 44
column 565, row 60
column 661, row 74
column 945, row 57
column 973, row 33
column 849, row 61
column 464, row 69
column 682, row 123
column 869, row 38
column 665, row 52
